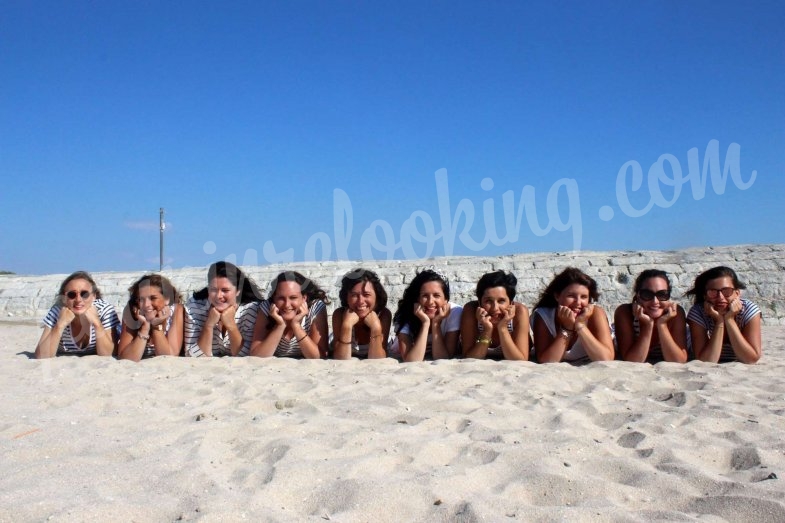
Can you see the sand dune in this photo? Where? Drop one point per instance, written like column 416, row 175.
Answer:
column 94, row 439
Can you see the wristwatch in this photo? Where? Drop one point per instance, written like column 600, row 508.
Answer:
column 159, row 327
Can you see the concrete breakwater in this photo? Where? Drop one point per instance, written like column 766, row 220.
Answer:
column 761, row 267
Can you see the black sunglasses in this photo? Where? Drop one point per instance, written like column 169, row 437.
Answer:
column 726, row 291
column 71, row 295
column 647, row 295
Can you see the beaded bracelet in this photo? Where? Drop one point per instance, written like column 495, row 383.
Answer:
column 484, row 340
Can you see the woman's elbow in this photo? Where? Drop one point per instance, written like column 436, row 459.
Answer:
column 752, row 358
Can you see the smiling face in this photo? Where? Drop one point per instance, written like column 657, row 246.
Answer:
column 496, row 303
column 575, row 297
column 78, row 296
column 288, row 298
column 362, row 299
column 151, row 301
column 222, row 293
column 431, row 298
column 651, row 297
column 716, row 290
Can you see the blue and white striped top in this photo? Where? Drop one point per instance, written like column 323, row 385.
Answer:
column 291, row 348
column 68, row 345
column 748, row 311
column 195, row 316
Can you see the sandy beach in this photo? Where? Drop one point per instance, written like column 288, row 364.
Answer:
column 95, row 439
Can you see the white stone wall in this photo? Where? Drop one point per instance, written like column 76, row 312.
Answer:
column 761, row 267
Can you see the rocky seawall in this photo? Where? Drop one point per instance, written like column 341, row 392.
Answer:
column 761, row 267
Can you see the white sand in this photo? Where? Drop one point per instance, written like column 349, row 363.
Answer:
column 94, row 439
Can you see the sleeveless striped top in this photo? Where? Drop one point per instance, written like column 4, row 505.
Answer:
column 290, row 348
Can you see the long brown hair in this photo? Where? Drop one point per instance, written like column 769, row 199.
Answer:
column 563, row 280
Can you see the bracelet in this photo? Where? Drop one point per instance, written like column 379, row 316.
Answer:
column 145, row 337
column 341, row 341
column 301, row 339
column 565, row 333
column 159, row 327
column 484, row 340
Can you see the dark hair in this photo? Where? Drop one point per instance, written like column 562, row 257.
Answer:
column 79, row 275
column 405, row 313
column 497, row 279
column 353, row 277
column 563, row 280
column 249, row 291
column 308, row 287
column 699, row 288
column 648, row 274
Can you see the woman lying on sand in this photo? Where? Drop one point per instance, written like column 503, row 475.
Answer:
column 495, row 327
column 152, row 320
column 80, row 322
column 220, row 318
column 724, row 326
column 567, row 325
column 361, row 325
column 427, row 323
column 652, row 328
column 292, row 321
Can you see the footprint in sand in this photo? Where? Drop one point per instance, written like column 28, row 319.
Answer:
column 744, row 458
column 676, row 399
column 631, row 439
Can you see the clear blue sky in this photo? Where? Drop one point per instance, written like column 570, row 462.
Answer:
column 242, row 119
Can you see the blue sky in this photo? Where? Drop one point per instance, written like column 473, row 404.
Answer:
column 244, row 119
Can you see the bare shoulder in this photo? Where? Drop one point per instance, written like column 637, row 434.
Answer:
column 520, row 307
column 623, row 311
column 471, row 306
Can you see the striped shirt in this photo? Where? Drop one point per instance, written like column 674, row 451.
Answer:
column 68, row 345
column 149, row 348
column 495, row 353
column 748, row 311
column 291, row 348
column 196, row 312
column 655, row 352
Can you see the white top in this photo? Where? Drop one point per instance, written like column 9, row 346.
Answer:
column 577, row 353
column 195, row 316
column 149, row 348
column 68, row 345
column 450, row 324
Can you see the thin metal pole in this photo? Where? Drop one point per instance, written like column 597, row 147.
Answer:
column 163, row 226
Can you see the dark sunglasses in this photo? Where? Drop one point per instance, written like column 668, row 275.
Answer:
column 726, row 291
column 647, row 295
column 71, row 295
